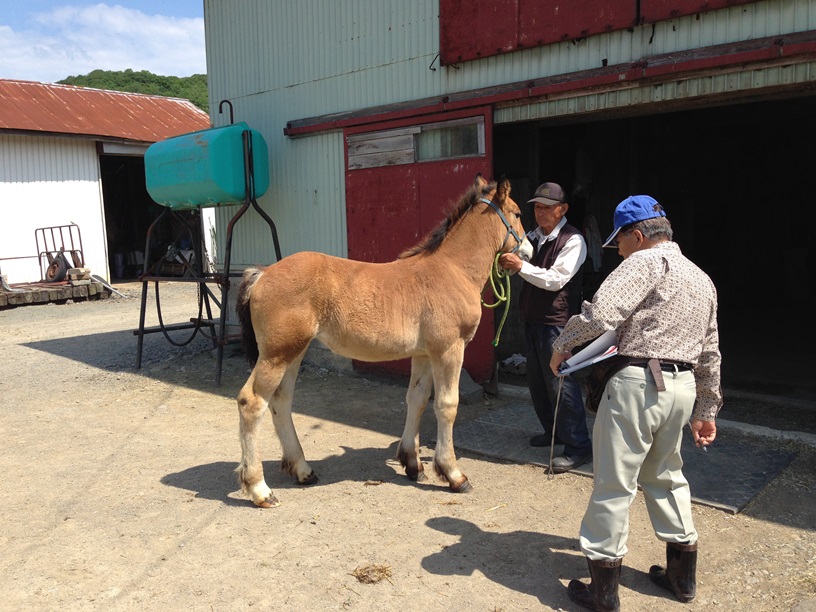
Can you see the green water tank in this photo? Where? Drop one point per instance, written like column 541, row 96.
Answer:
column 206, row 168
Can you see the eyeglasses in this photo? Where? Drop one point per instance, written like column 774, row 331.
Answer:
column 614, row 242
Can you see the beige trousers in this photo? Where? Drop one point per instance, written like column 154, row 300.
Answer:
column 636, row 441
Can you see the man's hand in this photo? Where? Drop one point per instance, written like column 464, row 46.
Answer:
column 704, row 432
column 556, row 360
column 510, row 262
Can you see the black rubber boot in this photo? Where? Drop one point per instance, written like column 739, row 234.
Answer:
column 602, row 593
column 680, row 574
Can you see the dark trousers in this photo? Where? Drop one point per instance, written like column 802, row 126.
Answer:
column 570, row 426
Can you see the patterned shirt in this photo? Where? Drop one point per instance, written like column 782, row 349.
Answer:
column 663, row 306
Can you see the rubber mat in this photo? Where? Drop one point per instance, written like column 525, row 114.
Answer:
column 727, row 476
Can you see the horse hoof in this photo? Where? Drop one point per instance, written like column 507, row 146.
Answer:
column 462, row 487
column 416, row 476
column 269, row 502
column 309, row 480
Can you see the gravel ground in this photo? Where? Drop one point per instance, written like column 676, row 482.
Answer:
column 119, row 494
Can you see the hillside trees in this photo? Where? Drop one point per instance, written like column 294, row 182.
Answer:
column 192, row 88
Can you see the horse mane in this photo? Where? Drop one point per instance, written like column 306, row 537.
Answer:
column 430, row 243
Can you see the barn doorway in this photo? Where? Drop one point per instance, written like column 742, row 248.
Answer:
column 734, row 183
column 129, row 211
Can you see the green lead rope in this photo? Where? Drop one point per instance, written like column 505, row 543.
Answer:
column 501, row 292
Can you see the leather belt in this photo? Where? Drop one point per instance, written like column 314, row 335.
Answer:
column 667, row 365
column 658, row 366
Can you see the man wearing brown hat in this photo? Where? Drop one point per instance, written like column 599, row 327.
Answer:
column 550, row 295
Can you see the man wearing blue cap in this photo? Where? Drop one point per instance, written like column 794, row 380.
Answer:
column 663, row 309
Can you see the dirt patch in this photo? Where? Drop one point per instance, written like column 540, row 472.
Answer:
column 119, row 493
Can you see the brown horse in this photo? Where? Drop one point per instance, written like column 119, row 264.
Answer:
column 425, row 305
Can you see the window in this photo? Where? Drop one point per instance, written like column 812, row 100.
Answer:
column 429, row 142
column 450, row 139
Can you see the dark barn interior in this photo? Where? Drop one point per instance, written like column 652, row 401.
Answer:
column 129, row 211
column 734, row 182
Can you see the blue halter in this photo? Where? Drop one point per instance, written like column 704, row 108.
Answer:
column 510, row 230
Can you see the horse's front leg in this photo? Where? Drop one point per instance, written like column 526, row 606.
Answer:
column 446, row 371
column 419, row 391
column 252, row 399
column 292, row 459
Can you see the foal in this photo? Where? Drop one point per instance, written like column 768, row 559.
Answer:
column 425, row 305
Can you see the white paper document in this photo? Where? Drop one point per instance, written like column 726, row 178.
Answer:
column 603, row 347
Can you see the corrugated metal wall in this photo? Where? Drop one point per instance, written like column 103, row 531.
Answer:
column 278, row 61
column 643, row 95
column 285, row 60
column 336, row 54
column 306, row 191
column 49, row 182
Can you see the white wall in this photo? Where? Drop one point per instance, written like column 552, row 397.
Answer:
column 46, row 182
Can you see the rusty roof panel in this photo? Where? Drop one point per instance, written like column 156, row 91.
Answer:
column 81, row 111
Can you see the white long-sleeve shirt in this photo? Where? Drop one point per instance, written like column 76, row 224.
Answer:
column 566, row 263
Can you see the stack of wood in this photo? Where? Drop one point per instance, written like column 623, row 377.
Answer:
column 21, row 294
column 79, row 276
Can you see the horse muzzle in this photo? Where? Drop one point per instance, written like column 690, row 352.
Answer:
column 525, row 250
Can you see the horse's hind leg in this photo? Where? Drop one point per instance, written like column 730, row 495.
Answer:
column 419, row 390
column 446, row 372
column 252, row 399
column 293, row 462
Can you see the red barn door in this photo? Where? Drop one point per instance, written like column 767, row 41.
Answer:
column 401, row 177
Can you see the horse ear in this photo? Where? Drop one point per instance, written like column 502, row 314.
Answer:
column 503, row 189
column 479, row 180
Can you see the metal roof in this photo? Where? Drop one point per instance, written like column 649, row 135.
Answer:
column 47, row 108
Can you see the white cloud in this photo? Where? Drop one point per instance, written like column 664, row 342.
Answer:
column 76, row 40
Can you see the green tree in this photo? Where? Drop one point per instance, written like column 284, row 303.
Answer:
column 192, row 88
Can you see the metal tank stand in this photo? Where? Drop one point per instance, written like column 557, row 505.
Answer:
column 195, row 274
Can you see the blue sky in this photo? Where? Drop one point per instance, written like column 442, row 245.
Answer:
column 48, row 40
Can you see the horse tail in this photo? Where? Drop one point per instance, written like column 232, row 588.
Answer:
column 250, row 277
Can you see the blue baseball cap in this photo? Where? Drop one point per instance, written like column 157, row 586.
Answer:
column 633, row 209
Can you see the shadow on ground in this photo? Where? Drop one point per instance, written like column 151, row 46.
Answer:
column 194, row 366
column 219, row 482
column 504, row 558
column 378, row 405
column 727, row 476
